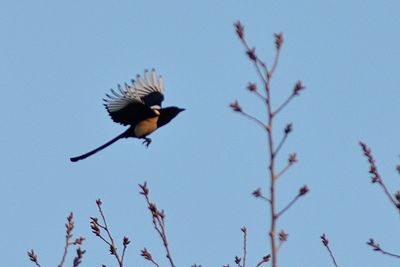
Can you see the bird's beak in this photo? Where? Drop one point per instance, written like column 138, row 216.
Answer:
column 182, row 109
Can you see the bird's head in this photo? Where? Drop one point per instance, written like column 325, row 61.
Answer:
column 167, row 114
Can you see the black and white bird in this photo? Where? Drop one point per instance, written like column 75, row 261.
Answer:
column 138, row 106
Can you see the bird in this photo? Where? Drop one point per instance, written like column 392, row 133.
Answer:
column 137, row 105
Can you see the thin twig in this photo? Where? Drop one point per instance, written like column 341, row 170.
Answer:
column 283, row 170
column 264, row 260
column 113, row 248
column 123, row 253
column 78, row 257
column 255, row 120
column 275, row 64
column 280, row 144
column 64, row 254
column 265, row 79
column 272, row 175
column 125, row 243
column 257, row 62
column 291, row 160
column 69, row 227
column 260, row 96
column 33, row 257
column 105, row 225
column 387, row 193
column 147, row 255
column 258, row 194
column 272, row 172
column 376, row 177
column 390, row 254
column 288, row 206
column 244, row 230
column 96, row 226
column 325, row 242
column 376, row 247
column 158, row 219
column 68, row 235
column 283, row 105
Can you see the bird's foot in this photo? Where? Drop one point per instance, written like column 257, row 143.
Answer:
column 146, row 141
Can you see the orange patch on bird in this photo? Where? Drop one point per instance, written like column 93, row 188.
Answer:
column 146, row 127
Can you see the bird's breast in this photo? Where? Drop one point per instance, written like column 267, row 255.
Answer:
column 146, row 127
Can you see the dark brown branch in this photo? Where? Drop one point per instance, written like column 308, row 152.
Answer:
column 244, row 231
column 377, row 247
column 68, row 236
column 303, row 190
column 375, row 176
column 125, row 243
column 33, row 257
column 255, row 120
column 257, row 62
column 286, row 132
column 158, row 218
column 252, row 87
column 291, row 160
column 260, row 96
column 78, row 257
column 265, row 77
column 96, row 226
column 278, row 45
column 325, row 242
column 264, row 260
column 235, row 106
column 69, row 227
column 283, row 105
column 147, row 255
column 258, row 194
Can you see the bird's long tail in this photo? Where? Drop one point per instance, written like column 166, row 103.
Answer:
column 75, row 159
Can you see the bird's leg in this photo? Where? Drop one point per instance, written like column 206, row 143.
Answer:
column 146, row 141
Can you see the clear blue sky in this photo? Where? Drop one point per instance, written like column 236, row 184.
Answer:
column 59, row 58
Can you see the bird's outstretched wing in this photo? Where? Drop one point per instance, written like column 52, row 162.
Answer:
column 149, row 88
column 136, row 101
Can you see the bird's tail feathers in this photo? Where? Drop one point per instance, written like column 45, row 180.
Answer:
column 123, row 135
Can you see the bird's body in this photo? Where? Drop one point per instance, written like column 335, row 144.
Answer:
column 139, row 106
column 146, row 127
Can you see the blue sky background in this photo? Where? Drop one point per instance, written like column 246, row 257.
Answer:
column 59, row 58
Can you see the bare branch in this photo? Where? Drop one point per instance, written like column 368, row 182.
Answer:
column 79, row 256
column 125, row 243
column 264, row 260
column 237, row 108
column 69, row 227
column 33, row 257
column 147, row 255
column 244, row 231
column 325, row 242
column 278, row 45
column 377, row 247
column 291, row 160
column 303, row 190
column 96, row 226
column 375, row 176
column 158, row 218
column 265, row 76
column 283, row 105
column 68, row 236
column 288, row 129
column 258, row 194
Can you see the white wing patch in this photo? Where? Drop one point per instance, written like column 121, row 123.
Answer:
column 134, row 92
column 147, row 84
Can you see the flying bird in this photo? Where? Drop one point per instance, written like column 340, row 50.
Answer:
column 138, row 106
